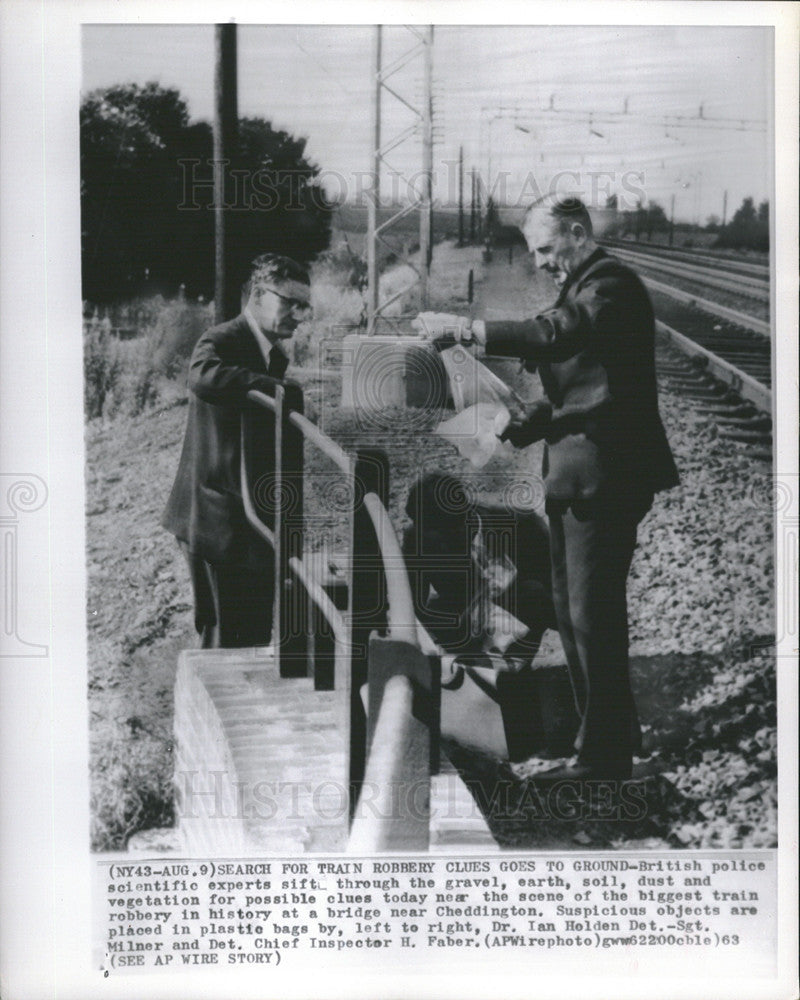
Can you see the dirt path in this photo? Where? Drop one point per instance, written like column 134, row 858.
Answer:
column 511, row 288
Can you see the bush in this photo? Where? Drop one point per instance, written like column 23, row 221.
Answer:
column 102, row 366
column 175, row 330
column 340, row 266
column 131, row 784
column 338, row 303
column 125, row 377
column 136, row 388
column 748, row 229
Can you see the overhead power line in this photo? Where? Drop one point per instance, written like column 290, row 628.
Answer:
column 591, row 118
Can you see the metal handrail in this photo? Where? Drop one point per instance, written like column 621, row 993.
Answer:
column 244, row 479
column 268, row 402
column 332, row 614
column 321, row 440
column 402, row 618
column 395, row 753
column 375, row 828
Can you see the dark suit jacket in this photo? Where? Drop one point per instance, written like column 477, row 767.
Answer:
column 205, row 507
column 595, row 351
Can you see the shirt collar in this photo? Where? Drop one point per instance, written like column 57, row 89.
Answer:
column 265, row 345
column 584, row 266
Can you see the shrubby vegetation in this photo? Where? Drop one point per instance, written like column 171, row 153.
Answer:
column 642, row 220
column 126, row 377
column 148, row 234
column 748, row 229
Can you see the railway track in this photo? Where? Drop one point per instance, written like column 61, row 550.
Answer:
column 747, row 285
column 735, row 316
column 739, row 420
column 726, row 370
column 718, row 356
column 754, row 268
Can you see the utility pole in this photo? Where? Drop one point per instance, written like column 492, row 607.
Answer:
column 478, row 207
column 724, row 208
column 671, row 220
column 373, row 276
column 472, row 206
column 226, row 131
column 426, row 208
column 461, row 196
column 421, row 48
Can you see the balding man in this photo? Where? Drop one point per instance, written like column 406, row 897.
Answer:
column 231, row 567
column 606, row 456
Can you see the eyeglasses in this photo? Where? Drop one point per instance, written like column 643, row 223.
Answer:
column 298, row 305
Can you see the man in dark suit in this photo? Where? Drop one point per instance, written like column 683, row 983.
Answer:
column 480, row 581
column 231, row 567
column 462, row 557
column 606, row 457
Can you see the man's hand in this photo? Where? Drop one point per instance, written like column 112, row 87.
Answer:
column 533, row 428
column 444, row 329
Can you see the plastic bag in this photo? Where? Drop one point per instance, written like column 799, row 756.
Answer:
column 472, row 382
column 475, row 431
column 483, row 405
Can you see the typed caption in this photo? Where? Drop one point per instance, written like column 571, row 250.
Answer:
column 174, row 915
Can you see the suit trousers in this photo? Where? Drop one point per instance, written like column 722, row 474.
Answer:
column 232, row 601
column 592, row 545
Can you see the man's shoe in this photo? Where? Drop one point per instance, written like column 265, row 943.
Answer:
column 581, row 771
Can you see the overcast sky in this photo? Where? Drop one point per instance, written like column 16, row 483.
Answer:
column 488, row 81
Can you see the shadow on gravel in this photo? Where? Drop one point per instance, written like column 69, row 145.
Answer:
column 707, row 765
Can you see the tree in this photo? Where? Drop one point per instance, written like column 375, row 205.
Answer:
column 130, row 140
column 657, row 221
column 651, row 219
column 147, row 196
column 748, row 229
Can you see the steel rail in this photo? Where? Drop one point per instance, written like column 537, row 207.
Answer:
column 743, row 384
column 704, row 276
column 707, row 305
column 757, row 270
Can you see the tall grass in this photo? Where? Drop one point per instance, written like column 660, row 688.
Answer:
column 126, row 377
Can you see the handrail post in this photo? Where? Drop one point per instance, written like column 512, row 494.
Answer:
column 378, row 640
column 393, row 812
column 368, row 602
column 290, row 619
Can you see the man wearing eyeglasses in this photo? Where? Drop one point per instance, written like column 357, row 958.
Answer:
column 231, row 567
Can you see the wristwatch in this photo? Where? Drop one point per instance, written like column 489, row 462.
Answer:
column 477, row 331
